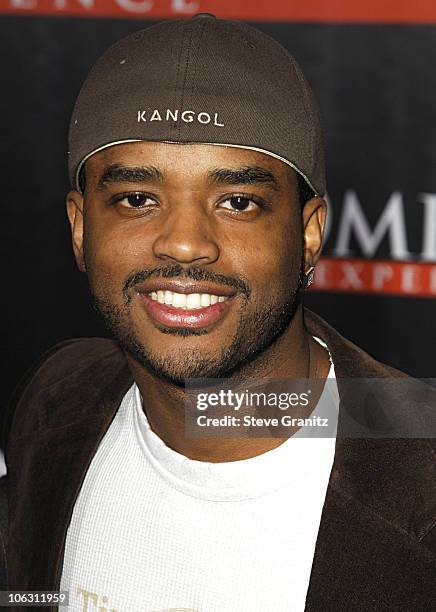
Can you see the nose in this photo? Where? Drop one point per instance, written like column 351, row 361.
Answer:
column 186, row 236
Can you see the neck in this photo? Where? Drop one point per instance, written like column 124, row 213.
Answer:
column 291, row 356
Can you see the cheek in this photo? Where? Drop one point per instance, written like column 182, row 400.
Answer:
column 276, row 258
column 112, row 254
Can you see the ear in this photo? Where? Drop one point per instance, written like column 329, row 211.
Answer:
column 75, row 216
column 314, row 216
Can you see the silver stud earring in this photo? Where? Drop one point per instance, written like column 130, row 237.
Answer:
column 308, row 280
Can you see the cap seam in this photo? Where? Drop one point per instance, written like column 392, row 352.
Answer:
column 200, row 39
column 188, row 57
column 304, row 85
column 178, row 70
column 179, row 61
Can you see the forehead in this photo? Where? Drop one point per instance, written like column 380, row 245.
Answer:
column 189, row 159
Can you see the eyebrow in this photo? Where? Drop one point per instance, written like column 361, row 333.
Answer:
column 247, row 175
column 129, row 174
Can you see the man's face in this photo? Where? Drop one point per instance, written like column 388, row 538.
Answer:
column 214, row 232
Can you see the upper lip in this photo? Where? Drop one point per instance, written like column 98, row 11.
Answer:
column 187, row 287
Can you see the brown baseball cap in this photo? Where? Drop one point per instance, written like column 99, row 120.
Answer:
column 200, row 80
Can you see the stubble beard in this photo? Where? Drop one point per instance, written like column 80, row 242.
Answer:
column 257, row 331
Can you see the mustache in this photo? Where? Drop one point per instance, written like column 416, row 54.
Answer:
column 177, row 271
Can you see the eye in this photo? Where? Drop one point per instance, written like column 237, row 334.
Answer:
column 135, row 200
column 239, row 203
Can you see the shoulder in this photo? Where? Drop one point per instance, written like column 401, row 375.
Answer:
column 64, row 366
column 350, row 361
column 71, row 355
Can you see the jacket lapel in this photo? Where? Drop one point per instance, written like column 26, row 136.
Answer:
column 47, row 468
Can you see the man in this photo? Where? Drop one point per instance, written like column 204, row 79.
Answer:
column 196, row 211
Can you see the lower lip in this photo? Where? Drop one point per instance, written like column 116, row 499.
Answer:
column 178, row 317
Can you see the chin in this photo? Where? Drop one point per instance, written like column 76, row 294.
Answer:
column 178, row 365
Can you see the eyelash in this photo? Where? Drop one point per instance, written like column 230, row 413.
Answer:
column 122, row 196
column 262, row 204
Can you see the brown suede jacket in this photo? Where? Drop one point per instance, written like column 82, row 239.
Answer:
column 376, row 547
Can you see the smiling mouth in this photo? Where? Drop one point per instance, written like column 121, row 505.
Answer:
column 190, row 310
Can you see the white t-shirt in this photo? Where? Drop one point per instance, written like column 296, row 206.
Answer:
column 153, row 531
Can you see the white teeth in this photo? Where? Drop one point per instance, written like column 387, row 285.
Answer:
column 205, row 299
column 193, row 301
column 179, row 300
column 187, row 302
